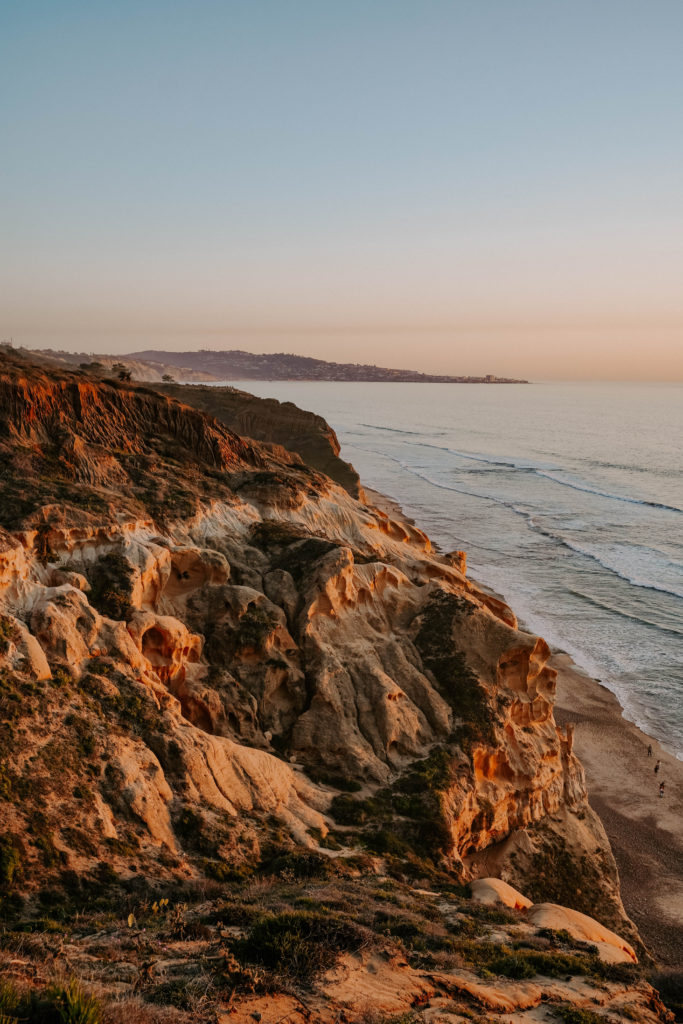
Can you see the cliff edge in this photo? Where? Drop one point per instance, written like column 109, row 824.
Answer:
column 267, row 419
column 267, row 725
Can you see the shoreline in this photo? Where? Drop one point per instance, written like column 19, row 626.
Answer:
column 645, row 832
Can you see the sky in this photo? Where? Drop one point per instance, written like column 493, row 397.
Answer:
column 455, row 186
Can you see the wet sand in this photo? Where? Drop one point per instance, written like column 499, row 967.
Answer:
column 645, row 832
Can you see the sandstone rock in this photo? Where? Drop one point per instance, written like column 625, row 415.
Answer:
column 611, row 947
column 494, row 890
column 140, row 781
column 24, row 653
column 74, row 579
column 266, row 610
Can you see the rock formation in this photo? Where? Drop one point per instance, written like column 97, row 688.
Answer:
column 209, row 650
column 266, row 419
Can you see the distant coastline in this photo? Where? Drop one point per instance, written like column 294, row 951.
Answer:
column 210, row 366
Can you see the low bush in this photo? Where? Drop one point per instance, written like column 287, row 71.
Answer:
column 111, row 585
column 406, row 820
column 334, row 779
column 10, row 862
column 59, row 1004
column 669, row 983
column 455, row 680
column 297, row 863
column 6, row 633
column 298, row 944
column 573, row 1015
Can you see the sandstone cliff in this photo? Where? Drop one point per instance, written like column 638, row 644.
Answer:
column 266, row 419
column 212, row 657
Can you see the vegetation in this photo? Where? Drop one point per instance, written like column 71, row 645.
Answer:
column 456, row 682
column 669, row 982
column 111, row 582
column 10, row 862
column 254, row 627
column 555, row 874
column 407, row 819
column 299, row 944
column 6, row 633
column 573, row 1015
column 59, row 1004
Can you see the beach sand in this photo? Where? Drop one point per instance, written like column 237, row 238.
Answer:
column 645, row 832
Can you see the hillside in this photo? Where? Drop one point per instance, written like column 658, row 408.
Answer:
column 205, row 365
column 260, row 745
column 235, row 364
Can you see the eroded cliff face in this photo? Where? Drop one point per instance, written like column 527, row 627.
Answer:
column 266, row 419
column 187, row 684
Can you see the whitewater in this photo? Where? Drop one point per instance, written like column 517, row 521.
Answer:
column 567, row 498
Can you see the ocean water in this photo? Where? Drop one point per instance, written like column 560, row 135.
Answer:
column 567, row 498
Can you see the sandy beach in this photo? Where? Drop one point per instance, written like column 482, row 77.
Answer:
column 645, row 832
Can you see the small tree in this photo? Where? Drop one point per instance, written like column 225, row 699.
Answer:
column 168, row 378
column 121, row 371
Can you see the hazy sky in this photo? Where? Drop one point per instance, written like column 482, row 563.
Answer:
column 477, row 186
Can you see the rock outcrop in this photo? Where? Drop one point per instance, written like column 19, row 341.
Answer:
column 266, row 419
column 210, row 651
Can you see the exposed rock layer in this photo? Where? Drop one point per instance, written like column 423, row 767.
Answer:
column 266, row 419
column 239, row 659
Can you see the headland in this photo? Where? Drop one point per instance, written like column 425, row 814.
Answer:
column 266, row 753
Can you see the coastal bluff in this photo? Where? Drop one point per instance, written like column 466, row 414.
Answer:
column 261, row 742
column 267, row 419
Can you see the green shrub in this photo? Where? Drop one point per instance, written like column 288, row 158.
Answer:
column 61, row 677
column 347, row 810
column 407, row 819
column 455, row 680
column 6, row 633
column 334, row 779
column 299, row 863
column 10, row 1000
column 172, row 993
column 572, row 1015
column 111, row 586
column 59, row 1004
column 254, row 627
column 512, row 965
column 73, row 1005
column 299, row 944
column 10, row 862
column 669, row 983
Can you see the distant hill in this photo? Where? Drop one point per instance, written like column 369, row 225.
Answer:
column 154, row 365
column 235, row 364
column 106, row 365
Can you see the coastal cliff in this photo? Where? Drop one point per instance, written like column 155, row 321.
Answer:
column 229, row 685
column 266, row 419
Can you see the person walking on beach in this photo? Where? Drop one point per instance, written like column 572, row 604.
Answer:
column 649, row 750
column 661, row 790
column 657, row 766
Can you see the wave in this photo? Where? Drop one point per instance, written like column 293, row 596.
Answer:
column 630, row 577
column 390, row 430
column 623, row 614
column 607, row 494
column 492, row 460
column 531, row 520
column 549, row 473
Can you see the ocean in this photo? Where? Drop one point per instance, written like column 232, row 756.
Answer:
column 567, row 498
